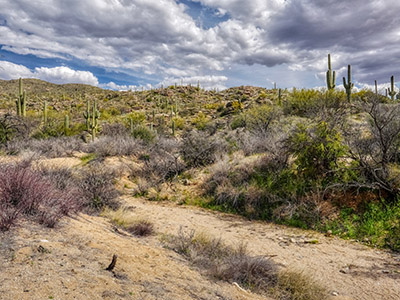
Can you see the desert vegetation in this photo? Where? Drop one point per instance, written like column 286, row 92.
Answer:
column 325, row 160
column 320, row 159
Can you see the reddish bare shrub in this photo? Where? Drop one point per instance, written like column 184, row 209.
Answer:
column 26, row 193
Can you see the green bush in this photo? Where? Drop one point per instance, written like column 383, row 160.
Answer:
column 144, row 133
column 319, row 153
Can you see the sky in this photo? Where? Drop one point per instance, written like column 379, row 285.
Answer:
column 134, row 44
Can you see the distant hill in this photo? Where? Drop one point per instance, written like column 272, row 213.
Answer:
column 37, row 86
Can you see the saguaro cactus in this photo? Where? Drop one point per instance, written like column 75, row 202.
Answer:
column 86, row 115
column 21, row 100
column 376, row 88
column 94, row 126
column 92, row 119
column 348, row 86
column 330, row 75
column 391, row 90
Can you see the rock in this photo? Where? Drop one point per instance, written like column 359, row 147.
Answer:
column 345, row 270
column 328, row 233
column 292, row 240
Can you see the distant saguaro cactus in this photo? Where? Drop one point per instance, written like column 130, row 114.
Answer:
column 391, row 90
column 330, row 76
column 348, row 86
column 21, row 100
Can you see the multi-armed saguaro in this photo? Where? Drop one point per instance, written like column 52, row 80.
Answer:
column 92, row 119
column 330, row 75
column 348, row 86
column 391, row 90
column 21, row 101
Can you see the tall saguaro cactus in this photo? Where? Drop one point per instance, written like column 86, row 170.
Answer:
column 94, row 125
column 391, row 90
column 330, row 75
column 92, row 119
column 21, row 100
column 86, row 115
column 349, row 85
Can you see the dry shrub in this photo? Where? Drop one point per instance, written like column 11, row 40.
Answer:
column 115, row 129
column 26, row 193
column 96, row 184
column 161, row 163
column 223, row 262
column 200, row 149
column 258, row 273
column 125, row 218
column 117, row 145
column 51, row 148
column 141, row 228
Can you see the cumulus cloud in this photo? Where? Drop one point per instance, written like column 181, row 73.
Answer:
column 55, row 75
column 64, row 75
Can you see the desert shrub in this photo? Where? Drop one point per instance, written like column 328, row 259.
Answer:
column 12, row 127
column 311, row 103
column 239, row 121
column 141, row 228
column 144, row 133
column 52, row 147
column 260, row 118
column 53, row 128
column 200, row 149
column 138, row 118
column 26, row 193
column 223, row 262
column 319, row 153
column 117, row 145
column 115, row 129
column 161, row 162
column 374, row 145
column 97, row 188
column 200, row 121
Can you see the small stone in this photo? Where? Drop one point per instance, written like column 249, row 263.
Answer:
column 292, row 240
column 345, row 270
column 385, row 271
column 335, row 294
column 329, row 233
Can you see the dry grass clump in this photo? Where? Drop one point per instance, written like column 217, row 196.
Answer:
column 295, row 285
column 125, row 218
column 257, row 273
column 223, row 262
column 141, row 228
